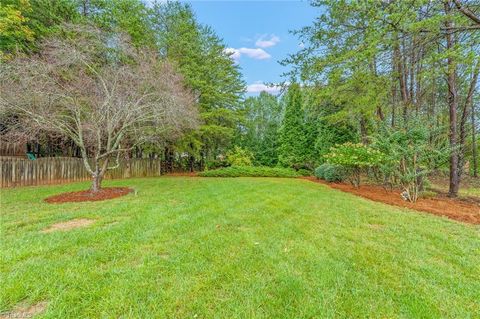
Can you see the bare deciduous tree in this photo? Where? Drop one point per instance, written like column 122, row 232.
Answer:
column 97, row 90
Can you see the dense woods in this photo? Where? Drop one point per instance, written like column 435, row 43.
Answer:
column 395, row 78
column 399, row 67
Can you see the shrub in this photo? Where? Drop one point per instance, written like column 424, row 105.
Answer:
column 304, row 172
column 239, row 157
column 330, row 173
column 410, row 155
column 320, row 171
column 354, row 158
column 215, row 164
column 250, row 171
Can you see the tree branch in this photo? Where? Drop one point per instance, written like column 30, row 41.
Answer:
column 467, row 12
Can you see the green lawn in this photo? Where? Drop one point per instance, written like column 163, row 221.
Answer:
column 235, row 248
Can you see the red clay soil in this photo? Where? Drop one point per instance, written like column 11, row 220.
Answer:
column 89, row 196
column 467, row 211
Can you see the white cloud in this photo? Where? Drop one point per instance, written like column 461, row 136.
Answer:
column 258, row 87
column 266, row 41
column 301, row 45
column 257, row 54
column 234, row 53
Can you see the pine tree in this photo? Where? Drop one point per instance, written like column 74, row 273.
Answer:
column 200, row 55
column 259, row 133
column 292, row 139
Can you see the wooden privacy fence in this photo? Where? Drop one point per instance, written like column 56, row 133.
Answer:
column 55, row 170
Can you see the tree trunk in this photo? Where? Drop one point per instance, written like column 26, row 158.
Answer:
column 363, row 129
column 474, row 144
column 192, row 163
column 463, row 121
column 96, row 183
column 128, row 164
column 401, row 75
column 453, row 105
column 98, row 174
column 85, row 7
column 394, row 89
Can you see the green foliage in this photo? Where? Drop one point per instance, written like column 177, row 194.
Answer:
column 292, row 137
column 250, row 171
column 169, row 28
column 331, row 173
column 22, row 22
column 216, row 164
column 320, row 171
column 217, row 131
column 14, row 30
column 239, row 157
column 354, row 158
column 410, row 155
column 129, row 16
column 199, row 54
column 208, row 71
column 310, row 128
column 331, row 133
column 260, row 126
column 304, row 172
column 190, row 143
column 380, row 63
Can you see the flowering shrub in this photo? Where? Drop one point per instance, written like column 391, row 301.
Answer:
column 354, row 158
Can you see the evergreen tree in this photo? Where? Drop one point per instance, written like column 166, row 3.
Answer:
column 208, row 71
column 259, row 133
column 200, row 55
column 292, row 137
column 311, row 134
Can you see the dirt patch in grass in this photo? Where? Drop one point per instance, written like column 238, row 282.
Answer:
column 89, row 196
column 25, row 311
column 71, row 224
column 464, row 210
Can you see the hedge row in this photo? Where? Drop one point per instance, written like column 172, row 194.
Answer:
column 250, row 171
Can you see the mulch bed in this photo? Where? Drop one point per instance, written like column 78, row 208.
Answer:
column 464, row 210
column 89, row 196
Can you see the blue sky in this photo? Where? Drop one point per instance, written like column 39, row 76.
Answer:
column 258, row 33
